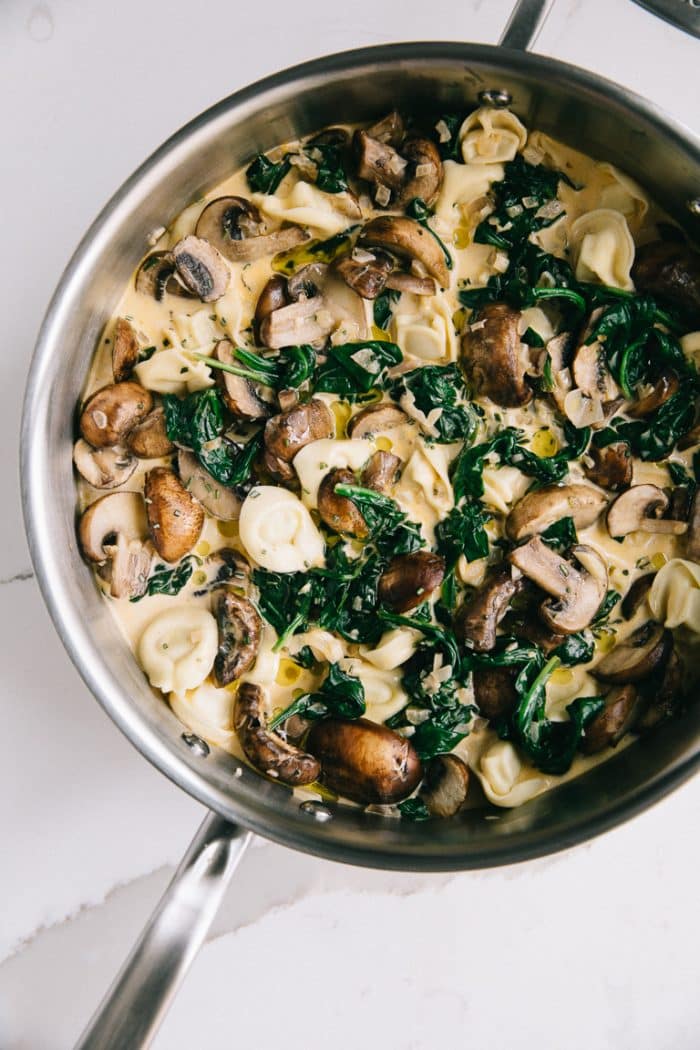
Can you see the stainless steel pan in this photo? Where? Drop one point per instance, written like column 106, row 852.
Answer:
column 599, row 117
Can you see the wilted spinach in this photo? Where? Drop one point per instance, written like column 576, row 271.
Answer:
column 289, row 368
column 382, row 307
column 354, row 369
column 518, row 198
column 463, row 531
column 449, row 148
column 390, row 529
column 341, row 696
column 413, row 809
column 264, row 176
column 561, row 535
column 440, row 387
column 198, row 421
column 164, row 580
column 417, row 209
column 331, row 176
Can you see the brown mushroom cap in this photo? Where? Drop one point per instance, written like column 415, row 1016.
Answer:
column 479, row 616
column 611, row 467
column 636, row 595
column 408, row 239
column 635, row 510
column 590, row 367
column 667, row 698
column 220, row 501
column 365, row 762
column 149, row 439
column 264, row 749
column 664, row 388
column 201, row 268
column 410, row 579
column 366, row 275
column 445, row 786
column 235, row 228
column 272, row 297
column 671, row 271
column 112, row 412
column 339, row 512
column 288, row 432
column 242, row 397
column 381, row 472
column 536, row 511
column 103, row 468
column 579, row 591
column 494, row 691
column 622, row 706
column 375, row 418
column 157, row 275
column 638, row 656
column 240, row 629
column 306, row 321
column 113, row 533
column 423, row 176
column 493, row 357
column 175, row 517
column 125, row 349
column 379, row 163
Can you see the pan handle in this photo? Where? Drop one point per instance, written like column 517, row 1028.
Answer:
column 524, row 25
column 137, row 1002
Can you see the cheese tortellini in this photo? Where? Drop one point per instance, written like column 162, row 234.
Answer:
column 491, row 136
column 278, row 532
column 208, row 712
column 305, row 206
column 178, row 647
column 383, row 693
column 426, row 331
column 500, row 770
column 674, row 597
column 394, row 648
column 313, row 462
column 603, row 248
column 173, row 371
column 462, row 186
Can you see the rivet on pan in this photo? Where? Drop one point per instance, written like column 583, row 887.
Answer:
column 497, row 97
column 693, row 205
column 317, row 810
column 199, row 746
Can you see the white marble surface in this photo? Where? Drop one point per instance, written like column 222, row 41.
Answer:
column 594, row 948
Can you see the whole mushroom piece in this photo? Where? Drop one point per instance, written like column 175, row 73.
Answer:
column 112, row 412
column 479, row 616
column 287, row 433
column 637, row 509
column 536, row 511
column 375, row 419
column 671, row 271
column 201, row 268
column 406, row 238
column 410, row 579
column 339, row 512
column 125, row 349
column 638, row 656
column 103, row 468
column 494, row 358
column 446, row 785
column 149, row 438
column 175, row 517
column 622, row 707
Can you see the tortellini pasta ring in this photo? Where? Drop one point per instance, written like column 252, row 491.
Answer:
column 674, row 597
column 602, row 248
column 491, row 136
column 178, row 648
column 278, row 532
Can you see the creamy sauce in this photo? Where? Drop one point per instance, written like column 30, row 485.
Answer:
column 427, row 328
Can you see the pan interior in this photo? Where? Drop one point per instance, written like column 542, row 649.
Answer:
column 583, row 111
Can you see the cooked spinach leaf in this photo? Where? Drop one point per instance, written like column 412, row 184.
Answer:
column 606, row 607
column 164, row 580
column 463, row 531
column 417, row 209
column 440, row 389
column 449, row 147
column 287, row 369
column 382, row 308
column 341, row 695
column 518, row 201
column 413, row 809
column 561, row 535
column 264, row 176
column 198, row 422
column 390, row 529
column 357, row 368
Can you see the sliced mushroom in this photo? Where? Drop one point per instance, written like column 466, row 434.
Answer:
column 410, row 579
column 381, row 472
column 411, row 283
column 112, row 412
column 308, row 281
column 157, row 275
column 125, row 349
column 667, row 698
column 149, row 439
column 374, row 419
column 201, row 268
column 114, row 535
column 622, row 707
column 304, row 322
column 414, row 172
column 233, row 225
column 559, row 350
column 364, row 761
column 445, row 786
column 339, row 512
column 590, row 368
column 175, row 517
column 635, row 510
column 240, row 628
column 535, row 631
column 494, row 691
column 689, row 439
column 220, row 501
column 579, row 591
column 241, row 396
column 226, row 568
column 423, row 176
column 611, row 467
column 272, row 297
column 638, row 656
column 265, row 750
column 379, row 163
column 365, row 272
column 671, row 271
column 494, row 358
column 664, row 388
column 103, row 468
column 692, row 539
column 636, row 595
column 389, row 129
column 536, row 511
column 409, row 240
column 480, row 615
column 288, row 432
